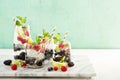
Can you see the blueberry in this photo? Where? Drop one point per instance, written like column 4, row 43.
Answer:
column 50, row 68
column 7, row 62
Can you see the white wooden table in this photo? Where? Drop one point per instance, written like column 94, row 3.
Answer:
column 82, row 70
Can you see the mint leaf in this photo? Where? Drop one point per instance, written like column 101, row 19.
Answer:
column 38, row 39
column 24, row 20
column 18, row 23
column 57, row 38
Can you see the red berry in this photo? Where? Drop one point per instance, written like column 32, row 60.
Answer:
column 14, row 67
column 61, row 45
column 55, row 68
column 63, row 68
column 23, row 41
column 24, row 64
column 19, row 38
column 36, row 47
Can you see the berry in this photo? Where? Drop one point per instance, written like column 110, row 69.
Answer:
column 70, row 64
column 16, row 57
column 24, row 64
column 50, row 68
column 22, row 55
column 36, row 47
column 19, row 38
column 14, row 67
column 39, row 63
column 63, row 68
column 55, row 68
column 7, row 62
column 61, row 45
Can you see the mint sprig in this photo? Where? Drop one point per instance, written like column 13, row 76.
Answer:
column 20, row 21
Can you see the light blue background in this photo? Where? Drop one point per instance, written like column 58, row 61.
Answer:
column 91, row 23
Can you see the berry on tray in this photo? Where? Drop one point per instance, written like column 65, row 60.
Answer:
column 24, row 64
column 55, row 68
column 14, row 67
column 63, row 68
column 70, row 64
column 7, row 62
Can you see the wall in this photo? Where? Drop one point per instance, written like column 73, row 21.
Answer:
column 91, row 23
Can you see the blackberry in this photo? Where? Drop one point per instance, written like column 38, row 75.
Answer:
column 39, row 63
column 22, row 55
column 7, row 62
column 57, row 59
column 70, row 64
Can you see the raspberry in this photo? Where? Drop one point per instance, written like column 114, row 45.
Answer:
column 55, row 68
column 14, row 67
column 63, row 68
column 61, row 45
column 36, row 47
column 24, row 64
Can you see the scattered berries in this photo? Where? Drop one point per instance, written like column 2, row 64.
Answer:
column 55, row 68
column 63, row 68
column 50, row 68
column 14, row 67
column 7, row 62
column 70, row 64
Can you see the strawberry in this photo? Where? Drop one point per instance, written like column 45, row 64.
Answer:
column 36, row 47
column 24, row 64
column 14, row 67
column 55, row 68
column 63, row 68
